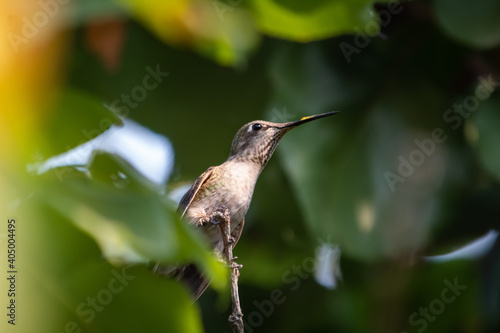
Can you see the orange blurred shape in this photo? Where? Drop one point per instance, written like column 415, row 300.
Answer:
column 105, row 38
column 30, row 64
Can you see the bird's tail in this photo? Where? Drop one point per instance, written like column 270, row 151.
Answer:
column 189, row 275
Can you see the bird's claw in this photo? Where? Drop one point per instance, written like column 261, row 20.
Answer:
column 235, row 265
column 204, row 221
column 220, row 215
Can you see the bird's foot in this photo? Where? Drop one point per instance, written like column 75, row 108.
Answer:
column 203, row 221
column 233, row 264
column 220, row 215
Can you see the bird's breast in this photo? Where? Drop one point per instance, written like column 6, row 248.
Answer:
column 231, row 186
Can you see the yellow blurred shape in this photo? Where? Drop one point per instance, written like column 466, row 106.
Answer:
column 471, row 132
column 226, row 34
column 30, row 61
column 366, row 216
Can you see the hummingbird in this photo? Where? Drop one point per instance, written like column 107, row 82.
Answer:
column 229, row 186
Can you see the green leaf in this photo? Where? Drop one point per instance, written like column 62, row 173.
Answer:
column 114, row 171
column 311, row 20
column 75, row 119
column 471, row 23
column 161, row 304
column 215, row 29
column 348, row 171
column 293, row 67
column 70, row 285
column 129, row 221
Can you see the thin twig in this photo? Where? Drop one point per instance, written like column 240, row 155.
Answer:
column 236, row 317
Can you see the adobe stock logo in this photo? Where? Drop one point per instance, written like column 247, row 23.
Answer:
column 292, row 279
column 32, row 26
column 87, row 310
column 138, row 93
column 363, row 37
column 420, row 319
column 426, row 147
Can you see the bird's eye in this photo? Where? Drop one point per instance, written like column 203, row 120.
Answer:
column 256, row 127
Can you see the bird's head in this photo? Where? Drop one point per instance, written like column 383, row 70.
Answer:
column 257, row 140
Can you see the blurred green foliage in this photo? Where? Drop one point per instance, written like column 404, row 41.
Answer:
column 408, row 168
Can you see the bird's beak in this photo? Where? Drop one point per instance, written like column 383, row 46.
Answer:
column 308, row 119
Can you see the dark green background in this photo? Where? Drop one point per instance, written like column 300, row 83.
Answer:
column 391, row 92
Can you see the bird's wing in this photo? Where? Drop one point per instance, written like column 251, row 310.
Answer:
column 237, row 231
column 190, row 274
column 191, row 193
column 196, row 281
